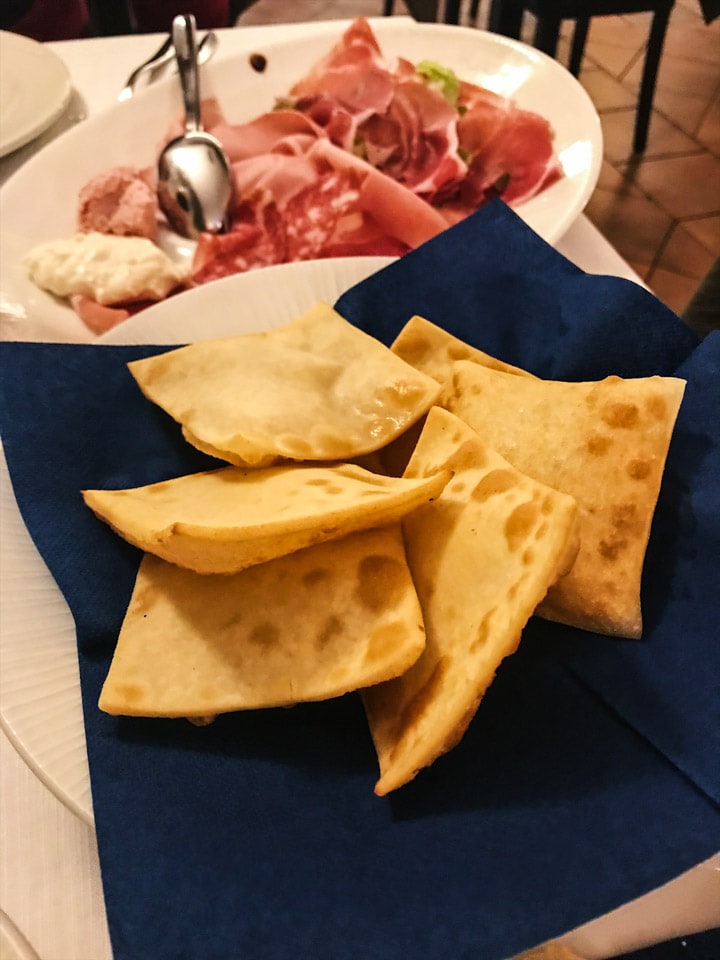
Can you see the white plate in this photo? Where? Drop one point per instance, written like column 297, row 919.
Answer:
column 40, row 706
column 129, row 133
column 34, row 90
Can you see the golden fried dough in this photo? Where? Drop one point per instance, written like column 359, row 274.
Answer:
column 433, row 350
column 222, row 521
column 317, row 388
column 605, row 443
column 308, row 626
column 482, row 557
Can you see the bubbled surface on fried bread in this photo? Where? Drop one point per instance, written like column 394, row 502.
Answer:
column 482, row 556
column 317, row 388
column 308, row 626
column 605, row 443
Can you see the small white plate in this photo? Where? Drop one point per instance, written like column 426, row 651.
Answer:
column 34, row 90
column 130, row 133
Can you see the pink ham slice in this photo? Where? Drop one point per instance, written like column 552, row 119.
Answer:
column 510, row 150
column 354, row 72
column 400, row 213
column 283, row 131
column 95, row 316
column 351, row 83
column 424, row 154
column 273, row 175
column 346, row 208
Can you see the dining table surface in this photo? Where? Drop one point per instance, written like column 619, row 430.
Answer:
column 51, row 896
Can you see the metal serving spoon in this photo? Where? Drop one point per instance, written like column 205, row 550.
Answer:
column 194, row 180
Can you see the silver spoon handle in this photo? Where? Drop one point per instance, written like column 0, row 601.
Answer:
column 183, row 35
column 161, row 55
column 156, row 65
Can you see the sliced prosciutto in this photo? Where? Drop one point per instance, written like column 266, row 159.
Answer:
column 509, row 151
column 281, row 131
column 418, row 136
column 401, row 213
column 95, row 316
column 451, row 142
column 365, row 155
column 351, row 83
column 344, row 207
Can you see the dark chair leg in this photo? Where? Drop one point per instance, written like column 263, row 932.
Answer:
column 388, row 8
column 578, row 45
column 474, row 7
column 506, row 17
column 426, row 11
column 452, row 11
column 647, row 84
column 547, row 32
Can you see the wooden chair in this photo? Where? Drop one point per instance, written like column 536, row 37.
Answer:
column 506, row 18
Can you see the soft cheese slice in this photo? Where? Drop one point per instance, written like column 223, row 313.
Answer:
column 308, row 626
column 605, row 443
column 223, row 521
column 317, row 388
column 482, row 557
column 433, row 350
column 107, row 269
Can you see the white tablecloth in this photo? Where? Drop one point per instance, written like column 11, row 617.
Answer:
column 51, row 902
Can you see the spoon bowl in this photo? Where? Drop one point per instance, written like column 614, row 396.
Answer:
column 194, row 179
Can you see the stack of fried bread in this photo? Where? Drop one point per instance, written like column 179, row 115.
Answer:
column 296, row 574
column 605, row 443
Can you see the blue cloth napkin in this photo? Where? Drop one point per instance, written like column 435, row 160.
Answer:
column 589, row 774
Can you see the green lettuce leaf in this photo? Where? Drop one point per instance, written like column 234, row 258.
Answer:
column 440, row 78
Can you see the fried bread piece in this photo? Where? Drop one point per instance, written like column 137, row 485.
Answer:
column 317, row 388
column 308, row 626
column 433, row 350
column 605, row 443
column 222, row 521
column 482, row 556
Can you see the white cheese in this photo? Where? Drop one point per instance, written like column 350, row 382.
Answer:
column 108, row 269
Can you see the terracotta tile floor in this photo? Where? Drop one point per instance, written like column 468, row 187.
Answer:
column 661, row 209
